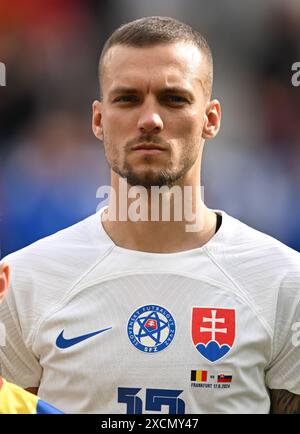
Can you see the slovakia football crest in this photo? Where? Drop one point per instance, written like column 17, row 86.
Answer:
column 151, row 328
column 213, row 331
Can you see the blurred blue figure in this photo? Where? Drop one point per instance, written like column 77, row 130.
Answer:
column 50, row 181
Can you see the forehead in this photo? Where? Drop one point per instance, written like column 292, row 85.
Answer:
column 172, row 63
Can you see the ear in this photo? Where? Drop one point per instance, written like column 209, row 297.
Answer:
column 97, row 120
column 212, row 119
column 4, row 280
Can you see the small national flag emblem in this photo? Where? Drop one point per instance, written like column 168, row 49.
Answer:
column 224, row 378
column 151, row 324
column 198, row 376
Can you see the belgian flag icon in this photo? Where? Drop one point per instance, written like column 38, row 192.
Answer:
column 199, row 376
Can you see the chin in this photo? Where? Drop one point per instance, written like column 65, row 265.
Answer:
column 149, row 180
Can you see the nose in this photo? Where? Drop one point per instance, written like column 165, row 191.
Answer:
column 149, row 120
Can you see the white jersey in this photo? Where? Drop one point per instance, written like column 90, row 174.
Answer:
column 103, row 329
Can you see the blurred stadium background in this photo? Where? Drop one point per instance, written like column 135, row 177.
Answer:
column 51, row 165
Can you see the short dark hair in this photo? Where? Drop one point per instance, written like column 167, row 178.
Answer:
column 150, row 31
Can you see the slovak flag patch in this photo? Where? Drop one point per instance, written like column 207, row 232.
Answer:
column 213, row 331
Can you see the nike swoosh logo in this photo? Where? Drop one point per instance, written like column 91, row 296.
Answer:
column 62, row 342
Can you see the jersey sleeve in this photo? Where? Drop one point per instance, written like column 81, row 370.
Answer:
column 284, row 367
column 17, row 361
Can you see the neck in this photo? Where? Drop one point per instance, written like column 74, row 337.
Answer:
column 162, row 220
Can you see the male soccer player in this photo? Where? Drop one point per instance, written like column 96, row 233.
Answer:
column 13, row 399
column 190, row 313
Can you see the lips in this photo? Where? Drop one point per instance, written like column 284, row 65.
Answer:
column 148, row 147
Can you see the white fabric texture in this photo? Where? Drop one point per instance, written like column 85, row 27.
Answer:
column 78, row 281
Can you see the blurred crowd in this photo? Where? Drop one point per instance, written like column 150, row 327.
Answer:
column 51, row 165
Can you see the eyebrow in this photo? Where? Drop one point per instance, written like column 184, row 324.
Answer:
column 165, row 90
column 123, row 90
column 177, row 90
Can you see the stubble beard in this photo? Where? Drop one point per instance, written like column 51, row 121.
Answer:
column 148, row 178
column 151, row 176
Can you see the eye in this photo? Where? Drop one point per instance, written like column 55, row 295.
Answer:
column 126, row 98
column 176, row 100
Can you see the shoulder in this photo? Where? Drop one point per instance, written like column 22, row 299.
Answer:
column 63, row 254
column 251, row 249
column 43, row 273
column 261, row 267
column 266, row 261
